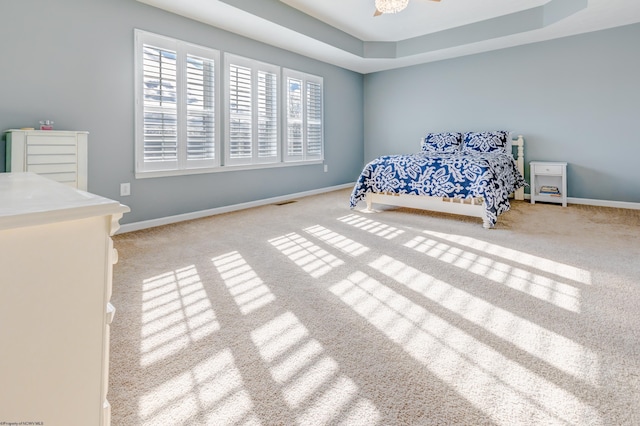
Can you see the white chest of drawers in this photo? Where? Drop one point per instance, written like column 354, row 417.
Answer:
column 56, row 257
column 58, row 155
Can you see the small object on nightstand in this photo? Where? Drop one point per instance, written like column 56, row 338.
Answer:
column 548, row 182
column 550, row 190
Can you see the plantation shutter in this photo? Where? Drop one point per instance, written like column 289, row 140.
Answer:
column 294, row 119
column 240, row 112
column 314, row 120
column 200, row 109
column 304, row 121
column 253, row 126
column 267, row 115
column 160, row 110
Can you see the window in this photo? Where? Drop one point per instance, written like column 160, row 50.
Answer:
column 272, row 116
column 176, row 118
column 252, row 130
column 304, row 138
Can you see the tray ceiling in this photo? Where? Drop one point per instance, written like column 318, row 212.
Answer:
column 345, row 32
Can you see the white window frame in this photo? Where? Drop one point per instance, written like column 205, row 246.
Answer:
column 255, row 68
column 181, row 165
column 305, row 120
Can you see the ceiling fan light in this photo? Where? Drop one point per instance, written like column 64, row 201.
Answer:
column 391, row 6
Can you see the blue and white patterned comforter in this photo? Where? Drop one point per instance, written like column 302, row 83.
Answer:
column 492, row 176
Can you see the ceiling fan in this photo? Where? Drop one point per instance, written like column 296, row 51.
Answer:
column 391, row 6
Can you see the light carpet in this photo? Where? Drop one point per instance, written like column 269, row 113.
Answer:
column 309, row 313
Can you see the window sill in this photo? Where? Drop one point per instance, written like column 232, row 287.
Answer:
column 222, row 169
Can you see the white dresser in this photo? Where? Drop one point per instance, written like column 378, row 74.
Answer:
column 56, row 258
column 58, row 155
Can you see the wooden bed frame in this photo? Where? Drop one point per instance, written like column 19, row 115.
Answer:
column 466, row 207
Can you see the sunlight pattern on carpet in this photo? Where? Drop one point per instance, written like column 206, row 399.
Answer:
column 214, row 386
column 563, row 295
column 546, row 265
column 377, row 228
column 175, row 312
column 247, row 289
column 556, row 350
column 311, row 381
column 311, row 258
column 495, row 384
column 336, row 240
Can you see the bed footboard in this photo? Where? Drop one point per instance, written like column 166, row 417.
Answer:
column 467, row 207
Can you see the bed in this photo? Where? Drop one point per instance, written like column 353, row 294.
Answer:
column 471, row 174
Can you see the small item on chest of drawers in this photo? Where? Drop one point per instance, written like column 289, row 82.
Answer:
column 46, row 125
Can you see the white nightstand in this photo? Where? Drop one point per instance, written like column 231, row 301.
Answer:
column 548, row 174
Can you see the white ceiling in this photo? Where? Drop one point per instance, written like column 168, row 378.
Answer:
column 345, row 32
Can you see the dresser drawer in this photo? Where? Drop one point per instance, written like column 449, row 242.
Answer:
column 51, row 138
column 35, row 150
column 547, row 169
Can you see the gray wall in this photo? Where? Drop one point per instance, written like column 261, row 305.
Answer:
column 71, row 61
column 575, row 99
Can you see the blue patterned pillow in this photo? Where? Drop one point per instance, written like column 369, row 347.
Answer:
column 442, row 143
column 485, row 141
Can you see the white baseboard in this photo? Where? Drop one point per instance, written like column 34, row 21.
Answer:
column 604, row 203
column 599, row 203
column 136, row 226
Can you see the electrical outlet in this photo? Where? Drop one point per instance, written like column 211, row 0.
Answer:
column 326, row 168
column 125, row 189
